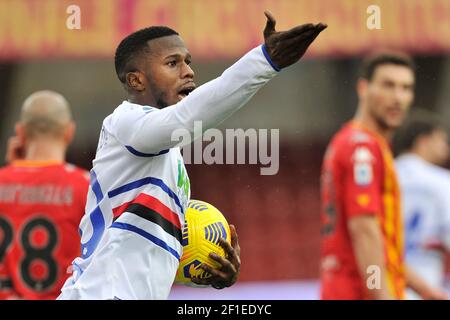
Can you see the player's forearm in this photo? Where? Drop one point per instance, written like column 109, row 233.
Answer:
column 210, row 103
column 216, row 100
column 368, row 249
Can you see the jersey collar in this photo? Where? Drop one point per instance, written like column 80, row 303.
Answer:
column 35, row 163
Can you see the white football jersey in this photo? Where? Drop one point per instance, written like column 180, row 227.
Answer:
column 131, row 230
column 426, row 211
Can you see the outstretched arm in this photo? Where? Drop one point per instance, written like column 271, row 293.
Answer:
column 213, row 102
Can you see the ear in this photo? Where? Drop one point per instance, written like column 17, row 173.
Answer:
column 361, row 87
column 69, row 132
column 20, row 133
column 421, row 142
column 135, row 80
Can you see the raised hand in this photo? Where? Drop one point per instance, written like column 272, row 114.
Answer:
column 287, row 47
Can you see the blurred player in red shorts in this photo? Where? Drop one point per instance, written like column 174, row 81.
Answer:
column 42, row 200
column 362, row 246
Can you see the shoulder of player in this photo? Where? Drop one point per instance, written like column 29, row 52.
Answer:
column 124, row 112
column 350, row 139
column 438, row 180
column 415, row 170
column 439, row 175
column 8, row 170
column 76, row 172
column 127, row 107
column 5, row 170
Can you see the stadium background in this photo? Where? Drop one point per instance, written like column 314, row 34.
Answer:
column 277, row 217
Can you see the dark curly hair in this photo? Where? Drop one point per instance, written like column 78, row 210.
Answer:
column 133, row 45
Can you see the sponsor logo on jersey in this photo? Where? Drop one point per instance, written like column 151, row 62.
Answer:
column 363, row 199
column 363, row 162
column 183, row 185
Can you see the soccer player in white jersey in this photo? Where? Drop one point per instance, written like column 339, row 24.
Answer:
column 131, row 232
column 423, row 146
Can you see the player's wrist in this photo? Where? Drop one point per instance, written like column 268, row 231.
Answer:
column 269, row 59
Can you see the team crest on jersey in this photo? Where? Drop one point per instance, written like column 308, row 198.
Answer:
column 363, row 162
column 183, row 184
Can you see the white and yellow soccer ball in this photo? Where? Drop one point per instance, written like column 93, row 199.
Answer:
column 204, row 226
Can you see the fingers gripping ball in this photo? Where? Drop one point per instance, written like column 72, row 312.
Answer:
column 204, row 226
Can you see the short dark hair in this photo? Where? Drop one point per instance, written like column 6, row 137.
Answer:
column 374, row 60
column 420, row 122
column 134, row 44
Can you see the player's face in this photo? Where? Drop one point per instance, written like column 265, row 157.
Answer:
column 437, row 147
column 168, row 74
column 389, row 94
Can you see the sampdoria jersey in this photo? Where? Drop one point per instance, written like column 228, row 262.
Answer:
column 358, row 178
column 41, row 205
column 426, row 215
column 131, row 233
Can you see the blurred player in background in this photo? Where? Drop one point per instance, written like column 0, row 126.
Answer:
column 42, row 200
column 423, row 146
column 131, row 233
column 362, row 246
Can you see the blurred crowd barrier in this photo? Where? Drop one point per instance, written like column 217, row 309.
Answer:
column 218, row 29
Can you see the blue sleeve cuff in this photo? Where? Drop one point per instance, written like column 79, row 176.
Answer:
column 141, row 154
column 266, row 54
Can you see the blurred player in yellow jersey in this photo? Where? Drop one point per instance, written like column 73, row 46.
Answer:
column 362, row 247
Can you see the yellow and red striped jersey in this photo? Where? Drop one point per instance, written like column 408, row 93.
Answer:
column 358, row 178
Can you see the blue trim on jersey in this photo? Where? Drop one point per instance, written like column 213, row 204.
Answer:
column 141, row 182
column 145, row 234
column 141, row 154
column 412, row 228
column 266, row 54
column 97, row 220
column 95, row 185
column 76, row 267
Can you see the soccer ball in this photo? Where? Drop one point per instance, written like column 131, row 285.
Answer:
column 204, row 226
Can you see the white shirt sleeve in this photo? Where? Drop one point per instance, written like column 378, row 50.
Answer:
column 151, row 131
column 445, row 217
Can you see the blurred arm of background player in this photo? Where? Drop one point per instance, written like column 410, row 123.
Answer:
column 415, row 282
column 367, row 243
